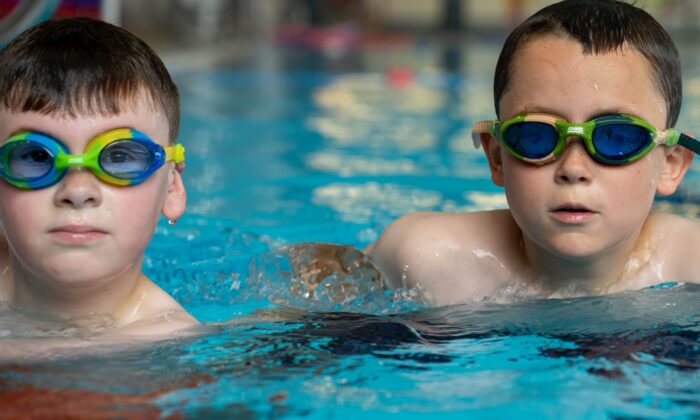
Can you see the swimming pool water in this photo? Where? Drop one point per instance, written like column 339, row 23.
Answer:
column 286, row 152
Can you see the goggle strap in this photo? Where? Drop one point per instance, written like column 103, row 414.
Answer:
column 175, row 153
column 689, row 143
column 479, row 128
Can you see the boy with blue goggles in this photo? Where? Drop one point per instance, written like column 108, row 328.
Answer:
column 33, row 160
column 584, row 91
column 613, row 139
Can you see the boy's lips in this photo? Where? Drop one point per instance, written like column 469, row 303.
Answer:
column 77, row 234
column 572, row 213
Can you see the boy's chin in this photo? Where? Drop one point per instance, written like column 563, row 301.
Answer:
column 576, row 249
column 82, row 273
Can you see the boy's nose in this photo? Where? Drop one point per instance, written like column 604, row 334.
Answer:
column 79, row 188
column 574, row 164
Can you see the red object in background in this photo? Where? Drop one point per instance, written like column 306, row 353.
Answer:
column 66, row 8
column 399, row 77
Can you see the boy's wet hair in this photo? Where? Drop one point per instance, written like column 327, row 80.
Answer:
column 83, row 66
column 601, row 26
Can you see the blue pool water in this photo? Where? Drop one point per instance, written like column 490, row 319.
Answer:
column 286, row 152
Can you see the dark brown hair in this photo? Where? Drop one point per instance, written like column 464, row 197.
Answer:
column 83, row 65
column 601, row 26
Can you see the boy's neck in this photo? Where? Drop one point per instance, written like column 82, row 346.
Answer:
column 105, row 297
column 602, row 273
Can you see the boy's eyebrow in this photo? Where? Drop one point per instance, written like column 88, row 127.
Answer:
column 538, row 110
column 608, row 111
column 558, row 114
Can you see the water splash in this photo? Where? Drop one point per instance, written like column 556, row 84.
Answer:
column 326, row 277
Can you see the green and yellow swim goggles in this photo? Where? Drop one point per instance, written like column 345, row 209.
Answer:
column 612, row 139
column 124, row 156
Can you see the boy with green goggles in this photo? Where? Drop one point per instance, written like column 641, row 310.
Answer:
column 613, row 139
column 587, row 93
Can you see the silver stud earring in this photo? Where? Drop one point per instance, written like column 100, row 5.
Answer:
column 172, row 222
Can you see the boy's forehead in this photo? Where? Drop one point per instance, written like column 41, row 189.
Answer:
column 554, row 73
column 555, row 47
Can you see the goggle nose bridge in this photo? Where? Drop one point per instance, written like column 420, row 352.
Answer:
column 85, row 160
column 575, row 130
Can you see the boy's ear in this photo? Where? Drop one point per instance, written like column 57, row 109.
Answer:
column 176, row 197
column 677, row 159
column 492, row 149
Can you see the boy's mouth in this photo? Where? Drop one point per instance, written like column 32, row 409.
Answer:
column 77, row 234
column 573, row 209
column 573, row 213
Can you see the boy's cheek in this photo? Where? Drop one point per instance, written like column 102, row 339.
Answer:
column 9, row 200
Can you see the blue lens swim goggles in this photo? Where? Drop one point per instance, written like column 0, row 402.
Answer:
column 612, row 139
column 124, row 156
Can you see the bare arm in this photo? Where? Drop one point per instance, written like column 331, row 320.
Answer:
column 449, row 257
column 676, row 243
column 314, row 261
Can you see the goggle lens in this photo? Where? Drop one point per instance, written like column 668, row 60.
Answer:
column 122, row 156
column 28, row 160
column 126, row 159
column 612, row 139
column 619, row 142
column 531, row 139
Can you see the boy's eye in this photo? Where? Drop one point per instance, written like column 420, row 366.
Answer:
column 124, row 152
column 29, row 160
column 125, row 159
column 38, row 156
column 33, row 155
column 117, row 156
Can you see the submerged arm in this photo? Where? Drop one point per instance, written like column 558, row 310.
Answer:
column 314, row 261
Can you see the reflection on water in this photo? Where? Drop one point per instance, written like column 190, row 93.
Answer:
column 466, row 357
column 635, row 353
column 297, row 159
column 359, row 203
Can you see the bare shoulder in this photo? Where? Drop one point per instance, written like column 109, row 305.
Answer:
column 443, row 227
column 439, row 252
column 676, row 240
